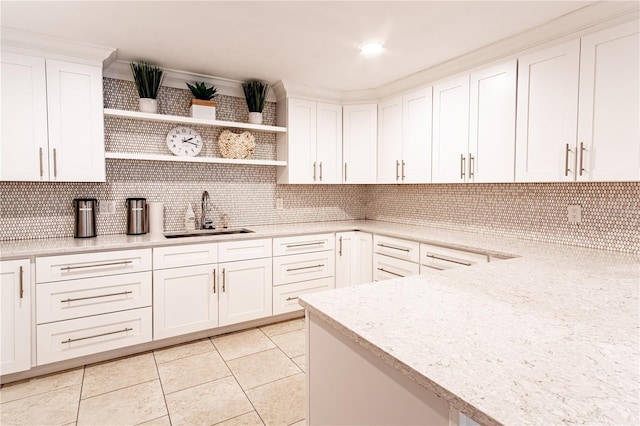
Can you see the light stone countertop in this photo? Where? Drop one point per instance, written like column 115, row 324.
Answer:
column 546, row 338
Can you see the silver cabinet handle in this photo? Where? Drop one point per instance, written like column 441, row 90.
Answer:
column 305, row 267
column 224, row 279
column 471, row 165
column 582, row 149
column 321, row 171
column 345, row 172
column 403, row 176
column 292, row 298
column 566, row 160
column 214, row 280
column 314, row 171
column 41, row 167
column 304, row 244
column 459, row 262
column 462, row 163
column 340, row 249
column 96, row 265
column 389, row 272
column 397, row 170
column 124, row 330
column 395, row 248
column 433, row 267
column 122, row 293
column 21, row 283
column 55, row 164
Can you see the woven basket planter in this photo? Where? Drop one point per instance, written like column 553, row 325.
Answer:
column 236, row 146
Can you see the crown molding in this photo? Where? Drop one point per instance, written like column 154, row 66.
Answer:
column 177, row 79
column 17, row 41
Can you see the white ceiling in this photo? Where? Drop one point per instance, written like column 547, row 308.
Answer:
column 310, row 43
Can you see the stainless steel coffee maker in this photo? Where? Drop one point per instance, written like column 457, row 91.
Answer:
column 137, row 216
column 85, row 214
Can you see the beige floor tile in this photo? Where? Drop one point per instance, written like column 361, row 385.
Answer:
column 42, row 384
column 293, row 343
column 131, row 405
column 281, row 402
column 112, row 375
column 249, row 419
column 301, row 361
column 160, row 421
column 209, row 403
column 58, row 407
column 243, row 343
column 191, row 371
column 263, row 367
column 184, row 350
column 283, row 327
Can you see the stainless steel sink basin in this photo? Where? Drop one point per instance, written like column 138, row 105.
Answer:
column 208, row 233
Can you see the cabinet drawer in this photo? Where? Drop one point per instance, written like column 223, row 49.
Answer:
column 303, row 244
column 66, row 267
column 62, row 340
column 285, row 297
column 303, row 267
column 244, row 250
column 92, row 296
column 395, row 247
column 385, row 268
column 441, row 258
column 189, row 255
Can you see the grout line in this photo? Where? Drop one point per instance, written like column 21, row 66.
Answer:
column 164, row 396
column 248, row 399
column 235, row 417
column 124, row 387
column 84, row 370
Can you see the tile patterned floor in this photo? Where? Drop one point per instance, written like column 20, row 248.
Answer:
column 252, row 377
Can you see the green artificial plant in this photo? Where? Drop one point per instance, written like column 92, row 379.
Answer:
column 255, row 92
column 202, row 92
column 148, row 78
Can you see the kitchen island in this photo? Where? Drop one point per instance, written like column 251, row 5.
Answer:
column 550, row 337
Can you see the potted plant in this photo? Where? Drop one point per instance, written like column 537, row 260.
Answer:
column 255, row 92
column 203, row 106
column 148, row 79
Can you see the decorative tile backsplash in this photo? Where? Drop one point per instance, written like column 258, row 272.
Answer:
column 247, row 194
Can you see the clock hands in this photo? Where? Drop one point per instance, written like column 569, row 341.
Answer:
column 187, row 140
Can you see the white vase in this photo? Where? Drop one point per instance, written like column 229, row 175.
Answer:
column 255, row 118
column 148, row 105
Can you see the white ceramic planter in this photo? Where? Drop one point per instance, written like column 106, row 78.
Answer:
column 255, row 118
column 201, row 111
column 148, row 105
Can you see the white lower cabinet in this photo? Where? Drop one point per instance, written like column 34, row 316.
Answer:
column 285, row 297
column 15, row 316
column 185, row 300
column 303, row 267
column 441, row 258
column 62, row 340
column 386, row 268
column 245, row 290
column 354, row 257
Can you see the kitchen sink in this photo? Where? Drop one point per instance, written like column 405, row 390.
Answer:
column 208, row 233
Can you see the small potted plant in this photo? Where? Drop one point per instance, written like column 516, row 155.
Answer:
column 255, row 92
column 203, row 106
column 148, row 79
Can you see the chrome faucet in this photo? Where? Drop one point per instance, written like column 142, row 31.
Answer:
column 205, row 222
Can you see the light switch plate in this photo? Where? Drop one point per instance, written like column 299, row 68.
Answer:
column 279, row 204
column 574, row 214
column 107, row 207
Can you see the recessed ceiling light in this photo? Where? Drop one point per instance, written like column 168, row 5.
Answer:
column 371, row 48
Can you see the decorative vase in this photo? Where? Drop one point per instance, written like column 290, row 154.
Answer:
column 148, row 105
column 203, row 109
column 255, row 118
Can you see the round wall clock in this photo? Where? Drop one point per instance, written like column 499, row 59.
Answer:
column 184, row 141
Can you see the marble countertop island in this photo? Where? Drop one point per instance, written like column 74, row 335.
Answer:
column 551, row 337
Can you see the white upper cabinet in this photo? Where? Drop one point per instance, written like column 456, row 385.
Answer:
column 312, row 146
column 608, row 143
column 492, row 124
column 56, row 113
column 547, row 114
column 450, row 129
column 416, row 136
column 359, row 143
column 404, row 138
column 390, row 140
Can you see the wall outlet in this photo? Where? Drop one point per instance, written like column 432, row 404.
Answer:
column 574, row 214
column 107, row 207
column 279, row 204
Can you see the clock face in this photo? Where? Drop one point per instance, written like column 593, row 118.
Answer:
column 184, row 141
